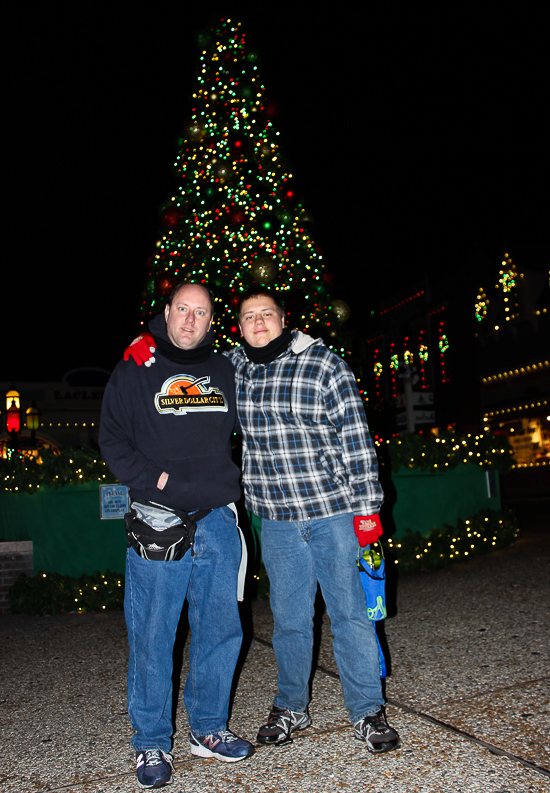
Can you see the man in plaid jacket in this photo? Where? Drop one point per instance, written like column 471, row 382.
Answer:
column 310, row 473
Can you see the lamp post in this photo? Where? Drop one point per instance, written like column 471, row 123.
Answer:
column 13, row 397
column 33, row 421
column 13, row 416
column 13, row 421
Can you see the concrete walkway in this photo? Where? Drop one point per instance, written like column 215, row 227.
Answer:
column 469, row 693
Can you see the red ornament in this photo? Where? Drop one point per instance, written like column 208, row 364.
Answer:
column 236, row 216
column 328, row 278
column 164, row 283
column 171, row 217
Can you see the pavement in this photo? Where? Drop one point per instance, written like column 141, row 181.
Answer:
column 468, row 691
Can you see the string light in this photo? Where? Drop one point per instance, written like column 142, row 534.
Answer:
column 507, row 282
column 479, row 534
column 402, row 303
column 430, row 452
column 481, row 305
column 521, row 370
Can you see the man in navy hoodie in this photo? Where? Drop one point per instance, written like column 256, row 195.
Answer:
column 165, row 432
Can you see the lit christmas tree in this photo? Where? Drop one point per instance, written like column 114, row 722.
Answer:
column 235, row 219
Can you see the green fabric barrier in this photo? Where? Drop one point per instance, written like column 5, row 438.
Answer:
column 423, row 501
column 427, row 501
column 68, row 535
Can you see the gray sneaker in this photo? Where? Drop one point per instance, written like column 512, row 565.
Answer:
column 377, row 733
column 281, row 724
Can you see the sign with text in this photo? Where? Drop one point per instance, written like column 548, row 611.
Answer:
column 413, row 408
column 113, row 501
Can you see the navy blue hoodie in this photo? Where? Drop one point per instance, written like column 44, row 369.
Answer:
column 175, row 416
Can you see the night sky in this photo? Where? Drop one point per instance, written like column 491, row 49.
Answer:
column 416, row 141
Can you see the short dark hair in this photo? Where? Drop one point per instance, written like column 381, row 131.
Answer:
column 261, row 291
column 181, row 284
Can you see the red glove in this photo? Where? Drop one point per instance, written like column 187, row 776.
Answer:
column 368, row 529
column 142, row 350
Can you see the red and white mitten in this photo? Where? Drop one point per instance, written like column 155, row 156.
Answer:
column 367, row 529
column 142, row 350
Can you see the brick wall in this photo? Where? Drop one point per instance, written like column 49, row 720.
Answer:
column 15, row 558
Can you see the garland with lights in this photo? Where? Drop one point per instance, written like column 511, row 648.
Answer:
column 447, row 450
column 422, row 451
column 235, row 218
column 53, row 593
column 70, row 466
column 482, row 533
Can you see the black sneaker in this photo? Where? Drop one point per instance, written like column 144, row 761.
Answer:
column 154, row 768
column 377, row 733
column 281, row 724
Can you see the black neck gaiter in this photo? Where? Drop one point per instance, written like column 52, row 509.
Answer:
column 270, row 351
column 177, row 355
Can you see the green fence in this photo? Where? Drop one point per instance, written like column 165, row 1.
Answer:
column 68, row 535
column 425, row 501
column 70, row 538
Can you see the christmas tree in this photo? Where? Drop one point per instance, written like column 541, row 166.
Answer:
column 235, row 219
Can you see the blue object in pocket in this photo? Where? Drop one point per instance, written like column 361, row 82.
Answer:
column 372, row 572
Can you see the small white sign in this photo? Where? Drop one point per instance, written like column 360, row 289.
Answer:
column 113, row 501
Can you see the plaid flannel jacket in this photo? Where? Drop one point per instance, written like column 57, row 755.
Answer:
column 307, row 450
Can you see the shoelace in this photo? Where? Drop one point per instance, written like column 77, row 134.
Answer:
column 227, row 736
column 280, row 717
column 378, row 725
column 283, row 721
column 382, row 726
column 153, row 757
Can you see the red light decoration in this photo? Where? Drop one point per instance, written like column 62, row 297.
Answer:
column 13, row 419
column 443, row 344
column 402, row 303
column 393, row 372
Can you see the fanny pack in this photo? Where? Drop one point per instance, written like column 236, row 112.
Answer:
column 161, row 534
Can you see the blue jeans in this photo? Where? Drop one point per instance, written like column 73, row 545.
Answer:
column 297, row 555
column 154, row 597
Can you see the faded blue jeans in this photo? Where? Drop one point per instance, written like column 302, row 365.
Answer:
column 154, row 597
column 297, row 555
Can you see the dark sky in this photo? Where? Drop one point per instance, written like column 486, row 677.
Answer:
column 416, row 140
